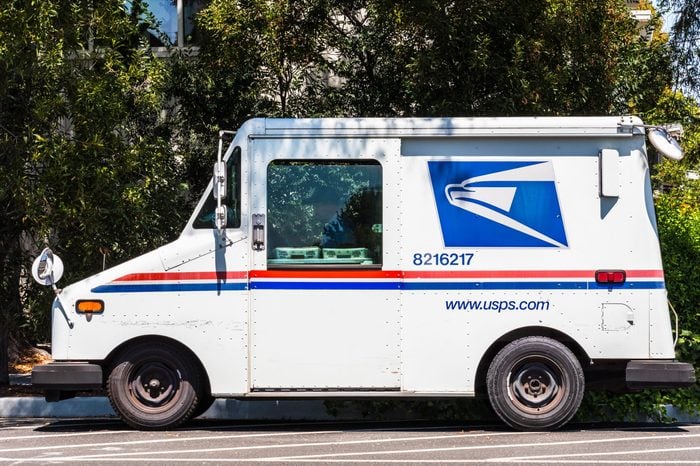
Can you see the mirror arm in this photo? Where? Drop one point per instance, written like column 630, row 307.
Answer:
column 217, row 182
column 219, row 187
column 60, row 306
column 665, row 138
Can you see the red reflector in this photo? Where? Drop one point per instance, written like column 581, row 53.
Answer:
column 610, row 276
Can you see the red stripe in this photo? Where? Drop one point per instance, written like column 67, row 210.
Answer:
column 645, row 273
column 325, row 274
column 428, row 274
column 501, row 274
column 582, row 274
column 138, row 277
column 377, row 274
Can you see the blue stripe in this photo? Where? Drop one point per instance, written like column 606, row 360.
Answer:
column 392, row 285
column 417, row 286
column 629, row 286
column 530, row 286
column 170, row 287
column 495, row 285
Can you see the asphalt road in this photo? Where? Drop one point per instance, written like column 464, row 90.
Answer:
column 37, row 441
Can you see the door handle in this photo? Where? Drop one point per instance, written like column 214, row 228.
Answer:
column 258, row 232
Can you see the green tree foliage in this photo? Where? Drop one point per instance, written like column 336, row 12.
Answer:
column 256, row 56
column 368, row 61
column 685, row 41
column 418, row 57
column 86, row 159
column 544, row 57
column 30, row 52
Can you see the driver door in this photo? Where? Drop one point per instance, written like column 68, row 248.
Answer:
column 322, row 313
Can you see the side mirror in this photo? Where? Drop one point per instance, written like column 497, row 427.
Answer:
column 219, row 191
column 47, row 269
column 221, row 217
column 662, row 138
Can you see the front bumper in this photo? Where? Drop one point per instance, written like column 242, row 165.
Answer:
column 67, row 376
column 658, row 374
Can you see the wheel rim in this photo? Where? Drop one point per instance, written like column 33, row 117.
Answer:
column 154, row 385
column 536, row 385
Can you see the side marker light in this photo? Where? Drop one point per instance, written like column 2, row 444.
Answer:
column 610, row 277
column 90, row 306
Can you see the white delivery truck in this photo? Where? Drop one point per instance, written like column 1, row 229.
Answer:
column 444, row 257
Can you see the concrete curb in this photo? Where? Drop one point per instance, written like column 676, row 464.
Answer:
column 289, row 410
column 98, row 406
column 34, row 406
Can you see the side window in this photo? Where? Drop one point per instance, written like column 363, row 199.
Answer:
column 324, row 214
column 205, row 217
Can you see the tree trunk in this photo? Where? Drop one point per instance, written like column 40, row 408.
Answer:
column 10, row 312
column 4, row 359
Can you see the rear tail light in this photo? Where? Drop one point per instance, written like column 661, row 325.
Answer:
column 610, row 277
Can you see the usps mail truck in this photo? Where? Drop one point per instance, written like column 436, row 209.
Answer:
column 515, row 258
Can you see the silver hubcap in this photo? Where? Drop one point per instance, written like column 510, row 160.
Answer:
column 535, row 385
column 154, row 385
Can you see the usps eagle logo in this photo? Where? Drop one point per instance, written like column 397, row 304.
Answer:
column 498, row 204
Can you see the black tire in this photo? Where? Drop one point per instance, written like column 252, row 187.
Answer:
column 535, row 383
column 154, row 386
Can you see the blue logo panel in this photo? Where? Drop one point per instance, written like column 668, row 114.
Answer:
column 498, row 204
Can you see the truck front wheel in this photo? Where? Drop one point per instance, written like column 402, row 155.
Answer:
column 154, row 386
column 535, row 383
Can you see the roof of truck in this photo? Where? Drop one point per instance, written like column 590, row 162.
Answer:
column 427, row 127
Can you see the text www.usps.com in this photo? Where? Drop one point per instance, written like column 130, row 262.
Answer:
column 495, row 305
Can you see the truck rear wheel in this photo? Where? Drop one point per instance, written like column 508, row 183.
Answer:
column 154, row 386
column 535, row 383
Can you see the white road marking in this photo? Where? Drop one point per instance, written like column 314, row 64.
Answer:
column 169, row 440
column 297, row 445
column 82, row 434
column 347, row 457
column 61, row 425
column 64, row 434
column 349, row 461
column 617, row 462
column 34, row 426
column 376, row 441
column 611, row 453
column 669, row 427
column 481, row 447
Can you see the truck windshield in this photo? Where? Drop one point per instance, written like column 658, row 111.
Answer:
column 205, row 217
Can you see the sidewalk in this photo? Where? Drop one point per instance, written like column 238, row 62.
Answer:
column 98, row 406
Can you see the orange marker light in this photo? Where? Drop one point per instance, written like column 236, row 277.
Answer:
column 91, row 306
